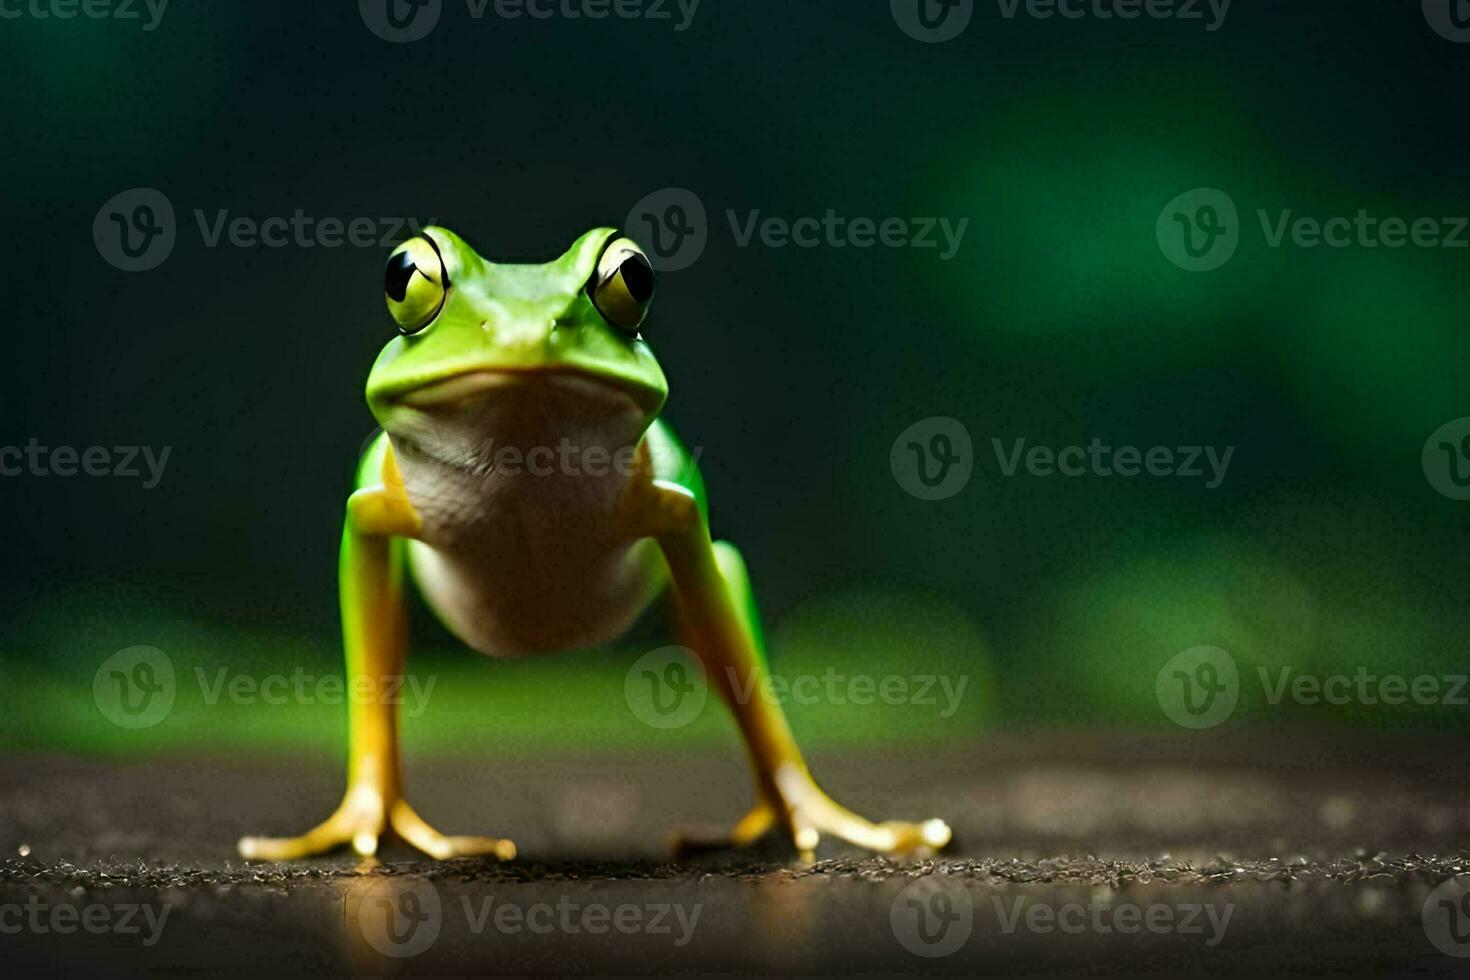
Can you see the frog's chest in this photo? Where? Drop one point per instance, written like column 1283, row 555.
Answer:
column 522, row 548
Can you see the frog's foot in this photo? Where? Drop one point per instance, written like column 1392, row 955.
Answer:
column 751, row 828
column 412, row 828
column 361, row 821
column 806, row 813
column 810, row 813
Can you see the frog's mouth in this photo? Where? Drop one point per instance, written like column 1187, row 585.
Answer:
column 478, row 421
column 609, row 391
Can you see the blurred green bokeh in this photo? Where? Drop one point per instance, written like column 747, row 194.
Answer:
column 1056, row 600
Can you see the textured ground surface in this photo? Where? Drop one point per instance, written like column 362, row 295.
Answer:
column 1075, row 853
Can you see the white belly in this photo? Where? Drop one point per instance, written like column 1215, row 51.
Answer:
column 520, row 553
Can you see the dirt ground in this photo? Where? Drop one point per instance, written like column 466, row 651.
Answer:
column 1075, row 853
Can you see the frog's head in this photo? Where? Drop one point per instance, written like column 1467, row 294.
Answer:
column 560, row 337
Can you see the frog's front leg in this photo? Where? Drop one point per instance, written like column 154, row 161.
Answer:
column 374, row 623
column 718, row 619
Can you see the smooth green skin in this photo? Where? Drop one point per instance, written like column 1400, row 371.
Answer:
column 517, row 318
column 538, row 318
column 510, row 317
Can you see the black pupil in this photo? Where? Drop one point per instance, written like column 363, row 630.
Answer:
column 400, row 270
column 638, row 276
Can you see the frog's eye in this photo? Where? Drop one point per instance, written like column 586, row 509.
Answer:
column 414, row 284
column 622, row 286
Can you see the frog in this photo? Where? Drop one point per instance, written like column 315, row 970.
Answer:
column 526, row 483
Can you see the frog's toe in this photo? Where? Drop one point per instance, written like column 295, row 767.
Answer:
column 929, row 835
column 416, row 831
column 358, row 821
column 752, row 827
column 811, row 813
column 326, row 837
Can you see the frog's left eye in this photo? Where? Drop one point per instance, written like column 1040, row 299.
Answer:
column 415, row 283
column 622, row 286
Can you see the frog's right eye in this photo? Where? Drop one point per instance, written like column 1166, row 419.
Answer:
column 415, row 284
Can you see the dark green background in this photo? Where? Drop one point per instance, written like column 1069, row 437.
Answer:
column 793, row 370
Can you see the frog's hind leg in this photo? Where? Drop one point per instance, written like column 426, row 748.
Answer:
column 720, row 623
